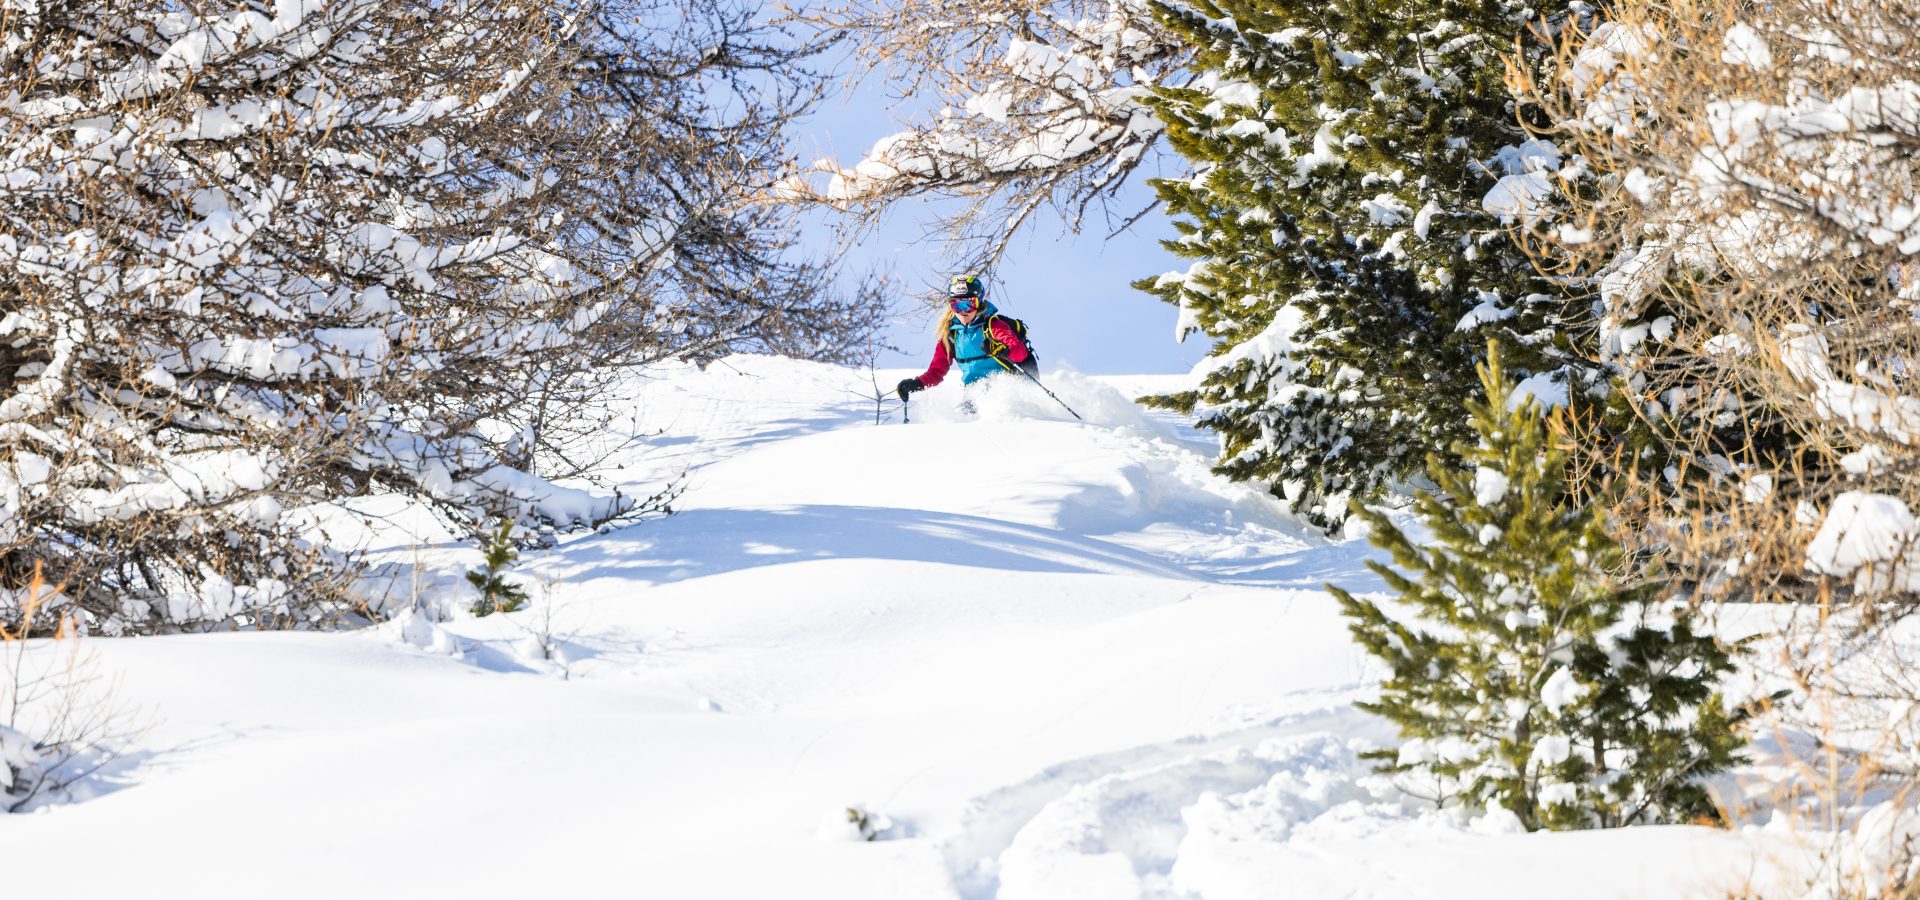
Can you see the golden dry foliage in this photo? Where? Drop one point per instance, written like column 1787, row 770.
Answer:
column 60, row 720
column 1753, row 242
column 1751, row 232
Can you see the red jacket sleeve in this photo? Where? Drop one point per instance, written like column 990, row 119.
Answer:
column 1016, row 348
column 941, row 362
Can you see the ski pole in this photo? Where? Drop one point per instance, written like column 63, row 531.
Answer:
column 903, row 412
column 1043, row 388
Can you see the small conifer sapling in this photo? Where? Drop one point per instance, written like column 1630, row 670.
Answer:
column 497, row 594
column 1533, row 666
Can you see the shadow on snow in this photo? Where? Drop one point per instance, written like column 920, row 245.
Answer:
column 705, row 542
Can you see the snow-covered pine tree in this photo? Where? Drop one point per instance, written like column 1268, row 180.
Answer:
column 1357, row 169
column 1523, row 676
column 265, row 254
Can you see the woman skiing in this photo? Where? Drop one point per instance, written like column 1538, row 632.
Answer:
column 974, row 335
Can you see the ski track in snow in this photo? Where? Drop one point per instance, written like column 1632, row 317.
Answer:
column 1065, row 658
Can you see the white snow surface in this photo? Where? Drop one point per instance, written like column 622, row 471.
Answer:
column 1048, row 659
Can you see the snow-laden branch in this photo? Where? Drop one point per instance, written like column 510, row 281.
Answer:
column 264, row 258
column 1040, row 104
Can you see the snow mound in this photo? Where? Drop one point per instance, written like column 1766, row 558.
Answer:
column 1041, row 473
column 1021, row 459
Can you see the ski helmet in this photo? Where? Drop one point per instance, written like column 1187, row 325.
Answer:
column 966, row 286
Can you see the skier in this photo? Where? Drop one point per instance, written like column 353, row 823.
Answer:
column 975, row 335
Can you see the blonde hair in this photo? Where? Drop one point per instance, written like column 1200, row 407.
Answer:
column 948, row 315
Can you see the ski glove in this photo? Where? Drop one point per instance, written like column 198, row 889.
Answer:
column 908, row 386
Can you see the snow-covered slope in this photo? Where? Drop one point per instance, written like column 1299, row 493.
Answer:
column 1062, row 659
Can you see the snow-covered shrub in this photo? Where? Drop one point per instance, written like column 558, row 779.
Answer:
column 1757, row 256
column 59, row 721
column 550, row 627
column 854, row 824
column 1755, row 250
column 269, row 254
column 1878, row 857
column 1523, row 676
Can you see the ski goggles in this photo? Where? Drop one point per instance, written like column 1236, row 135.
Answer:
column 964, row 305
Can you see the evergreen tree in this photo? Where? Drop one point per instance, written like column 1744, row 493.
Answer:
column 1358, row 171
column 497, row 594
column 1523, row 676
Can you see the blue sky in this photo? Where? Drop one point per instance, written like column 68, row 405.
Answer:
column 1073, row 291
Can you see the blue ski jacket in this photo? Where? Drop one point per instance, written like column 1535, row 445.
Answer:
column 970, row 349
